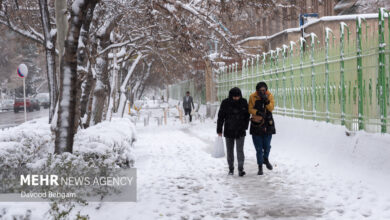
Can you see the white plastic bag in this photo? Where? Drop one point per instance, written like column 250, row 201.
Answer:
column 219, row 149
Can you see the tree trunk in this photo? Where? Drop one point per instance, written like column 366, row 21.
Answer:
column 122, row 99
column 50, row 56
column 83, row 67
column 62, row 25
column 111, row 103
column 68, row 80
column 101, row 91
column 86, row 92
column 89, row 104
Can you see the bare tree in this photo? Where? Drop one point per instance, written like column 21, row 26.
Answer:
column 68, row 79
column 32, row 20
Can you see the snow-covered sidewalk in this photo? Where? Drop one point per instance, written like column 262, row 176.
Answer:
column 316, row 175
column 319, row 173
column 177, row 179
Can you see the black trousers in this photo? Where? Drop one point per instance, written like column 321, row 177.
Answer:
column 240, row 152
column 187, row 111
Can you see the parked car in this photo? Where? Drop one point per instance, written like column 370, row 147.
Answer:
column 44, row 99
column 19, row 105
column 44, row 102
column 7, row 104
column 35, row 104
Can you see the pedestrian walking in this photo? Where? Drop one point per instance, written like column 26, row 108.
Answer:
column 261, row 105
column 188, row 104
column 233, row 117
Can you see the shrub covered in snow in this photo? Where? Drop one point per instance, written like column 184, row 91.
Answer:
column 30, row 146
column 25, row 145
column 97, row 151
column 109, row 141
column 31, row 143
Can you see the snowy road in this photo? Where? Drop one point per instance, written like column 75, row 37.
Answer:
column 11, row 119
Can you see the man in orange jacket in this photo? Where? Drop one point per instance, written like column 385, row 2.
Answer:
column 261, row 105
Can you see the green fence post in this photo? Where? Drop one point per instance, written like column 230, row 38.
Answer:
column 246, row 66
column 302, row 40
column 257, row 73
column 271, row 78
column 263, row 63
column 292, row 43
column 236, row 80
column 230, row 77
column 252, row 76
column 360, row 71
column 382, row 71
column 342, row 70
column 227, row 78
column 250, row 69
column 313, row 78
column 277, row 76
column 223, row 81
column 327, row 31
column 285, row 47
column 388, row 77
column 218, row 79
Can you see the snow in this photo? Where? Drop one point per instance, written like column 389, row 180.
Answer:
column 316, row 176
column 326, row 18
column 370, row 6
column 320, row 172
column 116, row 135
column 252, row 38
column 76, row 6
column 30, row 142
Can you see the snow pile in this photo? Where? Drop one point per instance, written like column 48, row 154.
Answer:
column 97, row 151
column 25, row 144
column 32, row 142
column 115, row 138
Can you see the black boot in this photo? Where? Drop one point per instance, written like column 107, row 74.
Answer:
column 267, row 164
column 241, row 172
column 231, row 171
column 260, row 172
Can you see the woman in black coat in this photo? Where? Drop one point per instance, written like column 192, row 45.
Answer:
column 233, row 116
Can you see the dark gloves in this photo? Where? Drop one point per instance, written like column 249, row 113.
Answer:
column 259, row 113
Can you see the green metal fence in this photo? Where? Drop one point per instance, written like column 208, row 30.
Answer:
column 198, row 91
column 345, row 82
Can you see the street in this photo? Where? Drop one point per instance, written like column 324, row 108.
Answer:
column 9, row 119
